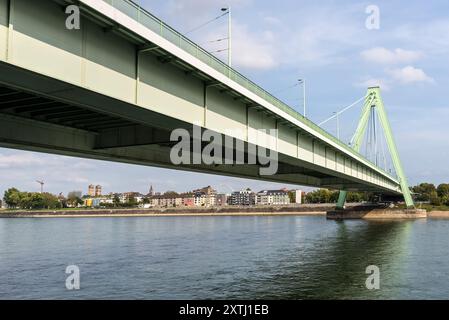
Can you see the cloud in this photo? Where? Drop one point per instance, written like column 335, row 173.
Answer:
column 265, row 41
column 22, row 168
column 409, row 74
column 431, row 36
column 254, row 51
column 384, row 56
column 322, row 37
column 19, row 160
column 405, row 75
column 384, row 84
column 250, row 50
column 272, row 21
column 189, row 14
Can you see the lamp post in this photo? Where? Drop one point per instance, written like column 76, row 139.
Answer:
column 228, row 10
column 338, row 124
column 303, row 82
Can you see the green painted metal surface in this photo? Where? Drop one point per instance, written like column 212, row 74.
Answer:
column 374, row 100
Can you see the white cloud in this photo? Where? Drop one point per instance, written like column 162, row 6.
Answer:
column 189, row 14
column 409, row 74
column 322, row 37
column 272, row 21
column 384, row 84
column 254, row 51
column 20, row 160
column 385, row 56
column 250, row 50
column 431, row 36
column 406, row 75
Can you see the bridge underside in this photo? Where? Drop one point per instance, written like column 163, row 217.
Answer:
column 39, row 113
column 115, row 89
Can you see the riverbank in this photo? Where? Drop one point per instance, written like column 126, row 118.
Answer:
column 291, row 210
column 438, row 214
column 155, row 212
column 375, row 213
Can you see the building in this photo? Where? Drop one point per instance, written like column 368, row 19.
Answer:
column 91, row 190
column 242, row 198
column 205, row 197
column 92, row 202
column 272, row 197
column 299, row 194
column 202, row 199
column 97, row 191
column 221, row 199
column 127, row 196
column 188, row 199
column 151, row 193
column 170, row 199
column 108, row 199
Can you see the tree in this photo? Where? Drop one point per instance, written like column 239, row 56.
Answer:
column 74, row 198
column 50, row 201
column 445, row 200
column 353, row 197
column 12, row 198
column 322, row 196
column 132, row 202
column 434, row 199
column 423, row 191
column 291, row 196
column 443, row 190
column 116, row 200
column 171, row 194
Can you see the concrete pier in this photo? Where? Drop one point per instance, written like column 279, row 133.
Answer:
column 376, row 213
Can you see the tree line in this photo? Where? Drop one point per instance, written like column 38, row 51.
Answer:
column 428, row 192
column 424, row 192
column 330, row 196
column 16, row 199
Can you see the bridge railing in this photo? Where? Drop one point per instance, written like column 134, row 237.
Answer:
column 144, row 17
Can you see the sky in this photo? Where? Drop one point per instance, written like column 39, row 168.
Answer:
column 275, row 43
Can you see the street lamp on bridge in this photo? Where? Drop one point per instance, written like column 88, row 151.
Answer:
column 336, row 113
column 303, row 82
column 228, row 11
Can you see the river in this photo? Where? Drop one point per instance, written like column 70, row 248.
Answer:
column 256, row 257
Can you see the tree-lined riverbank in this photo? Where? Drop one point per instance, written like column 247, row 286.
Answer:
column 226, row 210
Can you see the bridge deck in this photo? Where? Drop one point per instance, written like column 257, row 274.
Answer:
column 95, row 93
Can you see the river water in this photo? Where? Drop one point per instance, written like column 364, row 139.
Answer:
column 263, row 257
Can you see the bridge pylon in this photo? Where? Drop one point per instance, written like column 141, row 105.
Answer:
column 374, row 100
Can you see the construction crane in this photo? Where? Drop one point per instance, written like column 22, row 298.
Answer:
column 42, row 185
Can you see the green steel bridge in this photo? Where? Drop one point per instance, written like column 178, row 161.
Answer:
column 116, row 88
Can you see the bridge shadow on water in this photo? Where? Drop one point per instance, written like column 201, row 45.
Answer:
column 334, row 267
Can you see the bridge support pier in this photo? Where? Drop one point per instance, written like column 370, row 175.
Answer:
column 341, row 200
column 375, row 213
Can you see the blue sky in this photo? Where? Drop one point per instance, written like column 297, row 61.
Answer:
column 277, row 42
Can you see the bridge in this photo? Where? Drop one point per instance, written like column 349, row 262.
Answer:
column 117, row 87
